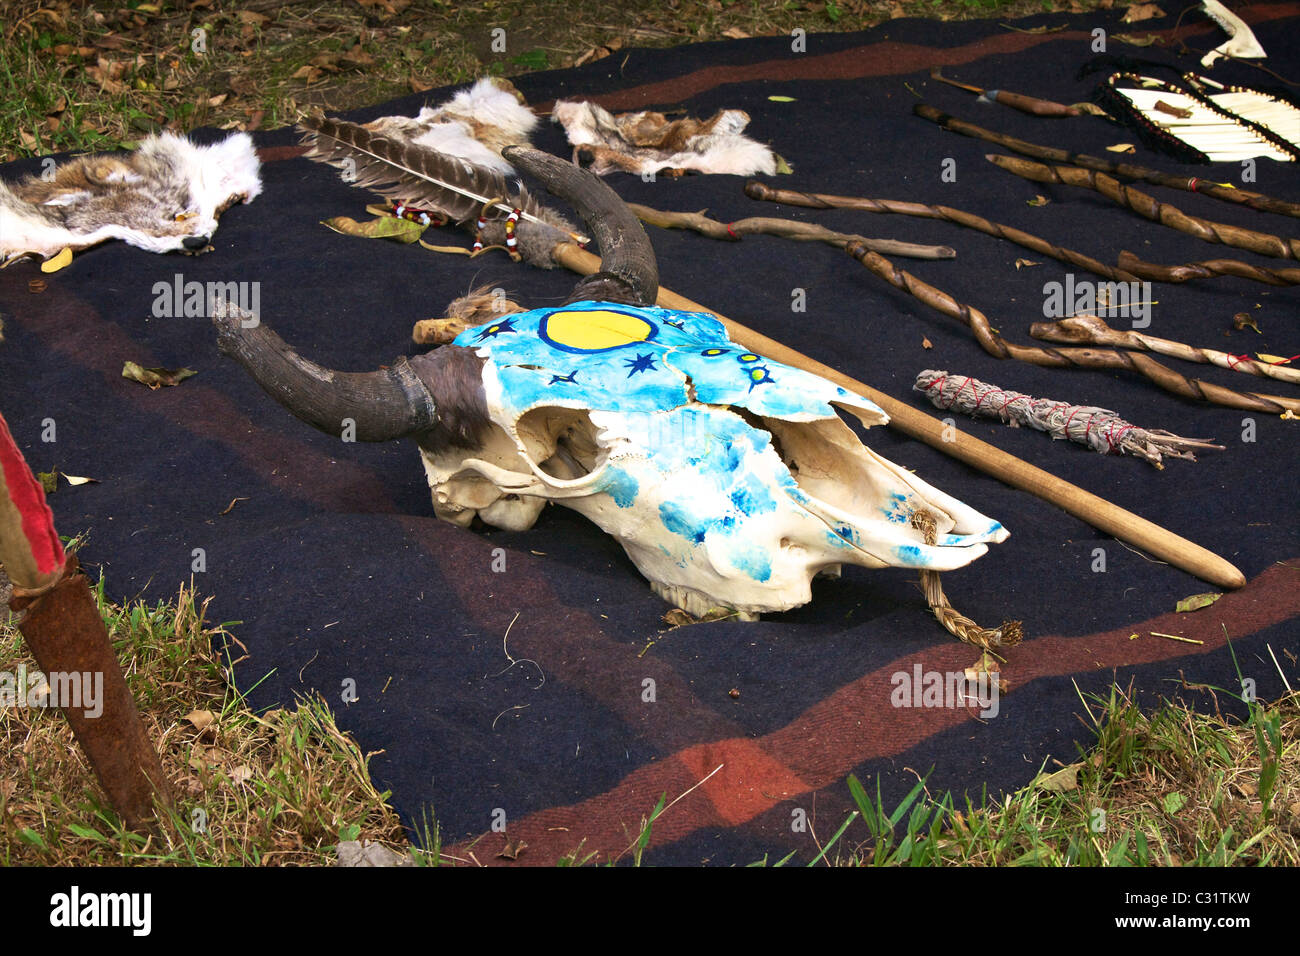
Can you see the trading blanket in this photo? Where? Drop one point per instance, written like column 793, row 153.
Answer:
column 525, row 686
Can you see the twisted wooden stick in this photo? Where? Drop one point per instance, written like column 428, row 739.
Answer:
column 1192, row 184
column 1092, row 330
column 995, row 345
column 757, row 190
column 1151, row 208
column 1129, row 267
column 1208, row 269
column 785, row 228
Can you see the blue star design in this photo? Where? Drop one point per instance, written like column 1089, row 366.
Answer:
column 642, row 363
column 495, row 329
column 564, row 378
column 759, row 375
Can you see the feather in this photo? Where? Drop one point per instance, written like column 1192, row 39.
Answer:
column 417, row 175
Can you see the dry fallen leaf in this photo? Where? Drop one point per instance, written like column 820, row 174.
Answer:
column 1026, row 263
column 1063, row 780
column 512, row 849
column 79, row 480
column 384, row 227
column 1244, row 320
column 1142, row 11
column 1196, row 602
column 156, row 377
column 200, row 718
column 1122, row 148
column 1038, row 201
column 56, row 262
column 926, row 343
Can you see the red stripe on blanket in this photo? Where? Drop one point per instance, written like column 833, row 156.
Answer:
column 853, row 726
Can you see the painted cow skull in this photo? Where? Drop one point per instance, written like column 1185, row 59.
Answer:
column 729, row 479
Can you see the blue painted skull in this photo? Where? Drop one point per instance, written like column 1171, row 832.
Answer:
column 728, row 478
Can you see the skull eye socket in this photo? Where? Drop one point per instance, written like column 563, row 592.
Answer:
column 560, row 441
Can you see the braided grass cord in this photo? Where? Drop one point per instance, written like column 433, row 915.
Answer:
column 1099, row 428
column 1008, row 634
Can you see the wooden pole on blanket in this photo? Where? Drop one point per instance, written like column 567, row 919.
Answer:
column 1098, row 512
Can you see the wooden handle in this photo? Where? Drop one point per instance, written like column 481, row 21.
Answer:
column 1032, row 104
column 1098, row 512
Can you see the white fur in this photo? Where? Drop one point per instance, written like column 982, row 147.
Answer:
column 724, row 150
column 215, row 174
column 448, row 128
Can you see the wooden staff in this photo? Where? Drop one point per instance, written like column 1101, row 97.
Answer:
column 1208, row 269
column 1093, row 331
column 998, row 347
column 1151, row 208
column 785, row 228
column 1098, row 512
column 1241, row 197
column 757, row 190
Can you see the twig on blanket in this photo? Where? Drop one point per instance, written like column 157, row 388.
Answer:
column 785, row 228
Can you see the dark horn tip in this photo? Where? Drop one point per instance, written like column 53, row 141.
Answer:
column 628, row 273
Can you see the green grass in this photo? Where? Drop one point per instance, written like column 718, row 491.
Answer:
column 275, row 788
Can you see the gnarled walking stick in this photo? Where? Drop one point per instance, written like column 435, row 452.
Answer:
column 1096, row 511
column 785, row 228
column 1208, row 269
column 1240, row 197
column 62, row 627
column 995, row 345
column 1092, row 330
column 757, row 190
column 1151, row 208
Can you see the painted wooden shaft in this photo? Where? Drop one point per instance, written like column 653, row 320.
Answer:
column 1148, row 207
column 62, row 628
column 1241, row 197
column 1096, row 511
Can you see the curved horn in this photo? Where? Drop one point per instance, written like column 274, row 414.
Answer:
column 628, row 273
column 437, row 397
